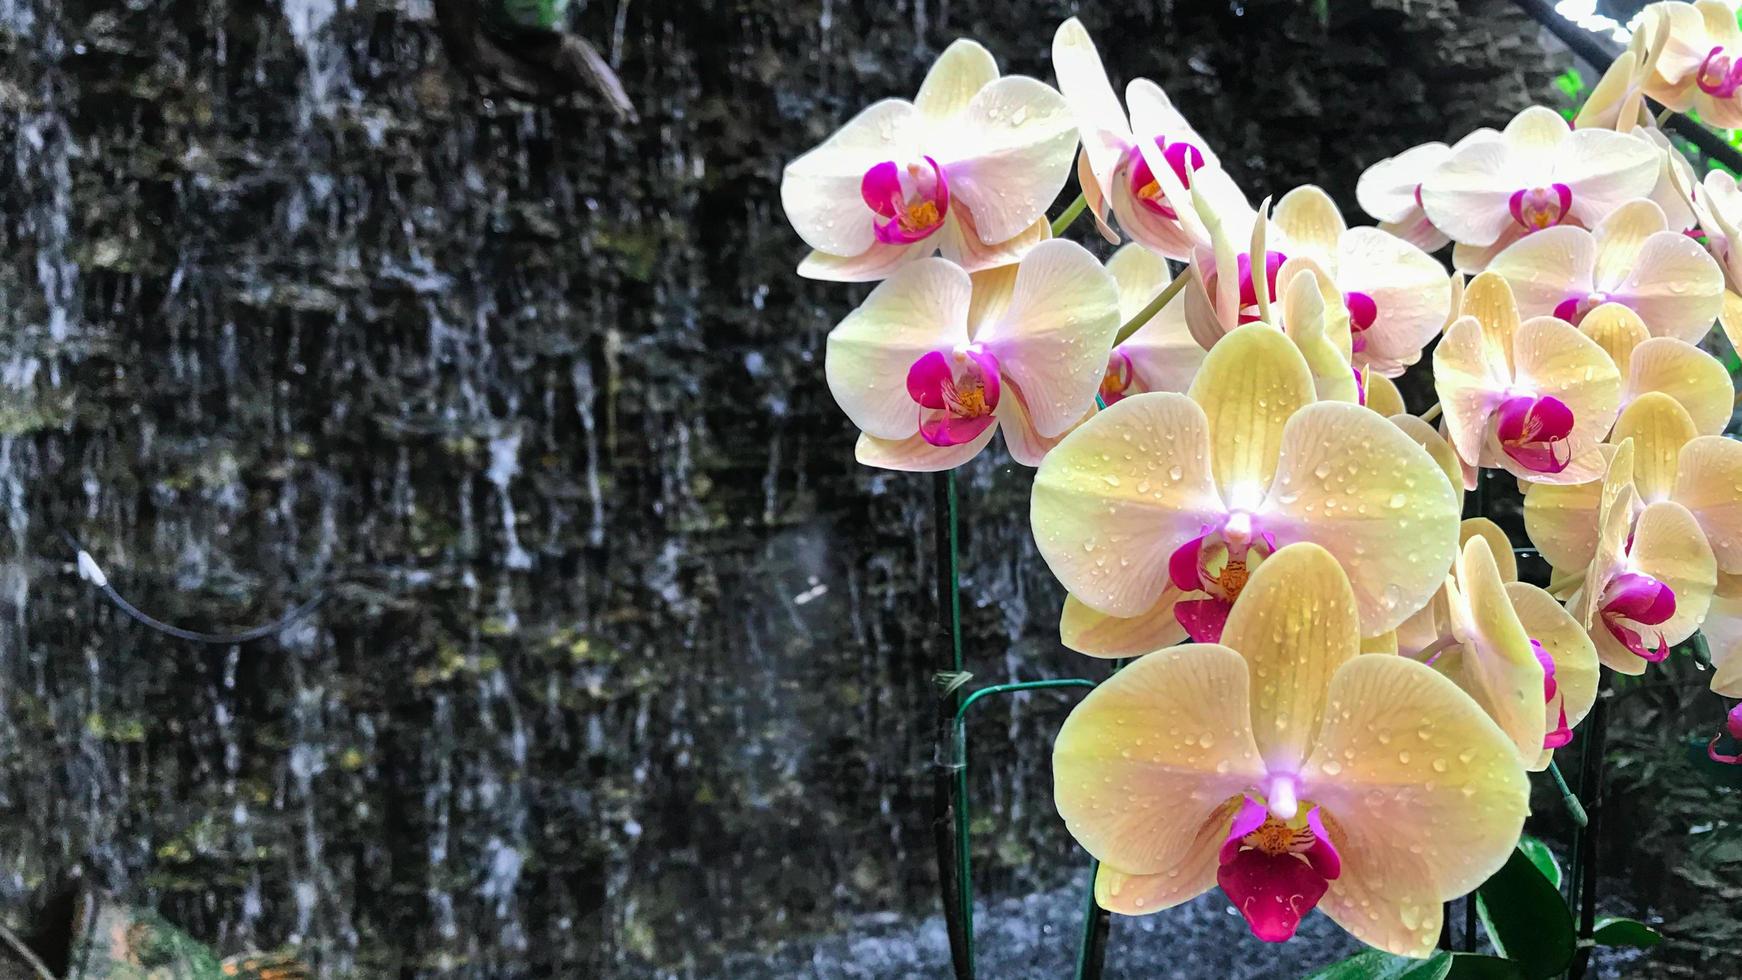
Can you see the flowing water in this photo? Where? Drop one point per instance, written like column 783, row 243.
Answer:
column 625, row 665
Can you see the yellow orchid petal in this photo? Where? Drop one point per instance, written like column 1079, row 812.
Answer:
column 1616, row 329
column 1248, row 387
column 1615, row 507
column 1164, row 355
column 1561, row 519
column 1310, row 225
column 1085, row 630
column 1424, row 794
column 1723, row 632
column 1694, row 378
column 1101, row 120
column 1709, row 485
column 1465, row 379
column 954, row 79
column 1544, row 267
column 1496, row 664
column 920, row 309
column 1499, row 545
column 1488, row 297
column 1622, row 235
column 1149, row 756
column 1427, row 625
column 1295, row 623
column 1569, row 647
column 1383, row 396
column 1052, row 339
column 1356, row 484
column 1730, row 318
column 1306, row 321
column 1114, row 499
column 1385, row 642
column 1129, row 894
column 1669, row 546
column 1013, row 145
column 1659, row 429
column 960, row 242
column 1025, row 442
column 915, row 455
column 1427, row 437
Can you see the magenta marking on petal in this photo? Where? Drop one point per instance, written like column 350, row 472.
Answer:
column 1549, row 687
column 881, row 188
column 1733, row 722
column 1568, row 309
column 943, row 429
column 1203, row 619
column 928, row 377
column 1251, row 816
column 1116, row 381
column 1536, row 208
column 1360, row 383
column 988, row 375
column 1719, row 75
column 1322, row 855
column 1183, row 158
column 1182, row 565
column 1143, row 185
column 1640, row 598
column 1533, row 431
column 914, row 201
column 1561, row 735
column 1271, row 891
column 1269, row 540
column 1273, row 261
column 1363, row 311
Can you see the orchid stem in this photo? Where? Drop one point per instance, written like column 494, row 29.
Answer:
column 1432, row 413
column 1569, row 799
column 1070, row 214
column 1148, row 313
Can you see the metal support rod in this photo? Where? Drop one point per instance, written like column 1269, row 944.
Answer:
column 947, row 782
column 1591, row 788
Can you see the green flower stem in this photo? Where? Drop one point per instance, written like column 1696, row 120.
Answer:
column 1569, row 799
column 1069, row 215
column 1148, row 313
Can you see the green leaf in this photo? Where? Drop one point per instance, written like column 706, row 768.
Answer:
column 1474, row 966
column 1542, row 857
column 1612, row 930
column 1377, row 965
column 1526, row 919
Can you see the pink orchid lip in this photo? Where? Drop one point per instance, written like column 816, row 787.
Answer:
column 1534, row 430
column 1549, row 687
column 1274, row 872
column 1719, row 75
column 1732, row 727
column 1204, row 618
column 912, row 202
column 1118, row 377
column 1536, row 208
column 1183, row 159
column 957, row 394
column 1248, row 288
column 1363, row 312
column 1633, row 601
column 1574, row 308
column 1561, row 735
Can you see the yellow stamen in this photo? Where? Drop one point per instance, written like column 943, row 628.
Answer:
column 1233, row 578
column 919, row 217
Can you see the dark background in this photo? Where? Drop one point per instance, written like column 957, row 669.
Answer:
column 626, row 663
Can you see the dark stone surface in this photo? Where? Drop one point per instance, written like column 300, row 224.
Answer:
column 626, row 662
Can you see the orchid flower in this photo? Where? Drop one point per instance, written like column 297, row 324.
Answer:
column 1632, row 258
column 935, row 359
column 1618, row 100
column 1539, row 174
column 1154, row 513
column 1291, row 770
column 1294, row 294
column 1397, row 296
column 1694, row 378
column 1511, row 646
column 1700, row 67
column 1732, row 727
column 1669, row 462
column 1390, row 192
column 1141, row 165
column 1161, row 354
column 968, row 168
column 1722, row 629
column 1534, row 397
column 1649, row 581
column 1438, row 449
